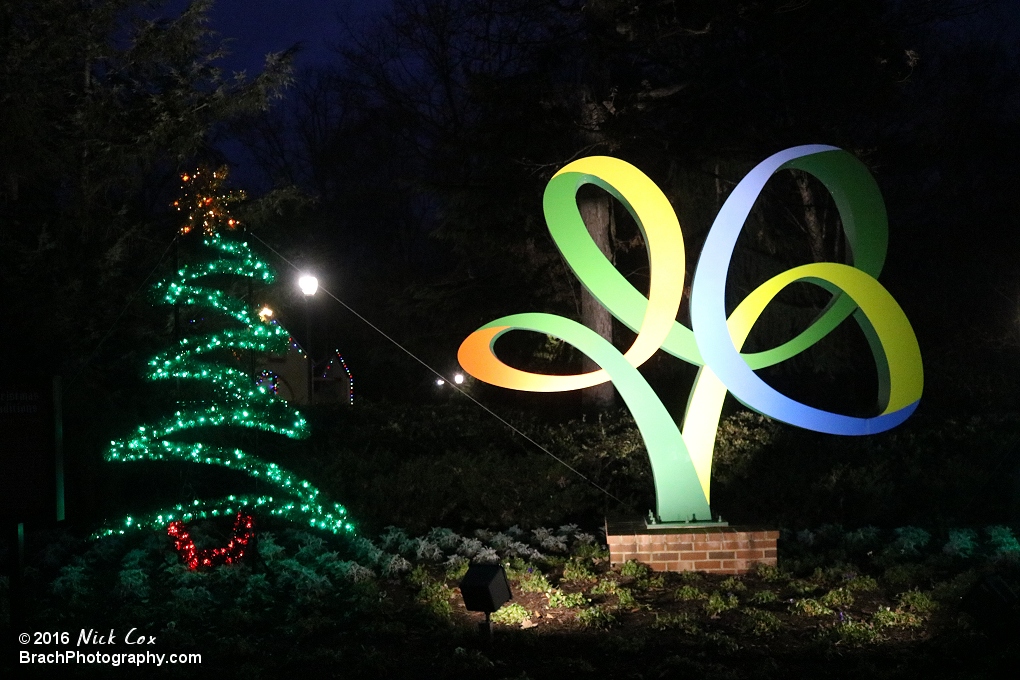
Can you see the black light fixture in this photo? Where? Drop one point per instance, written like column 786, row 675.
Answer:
column 485, row 589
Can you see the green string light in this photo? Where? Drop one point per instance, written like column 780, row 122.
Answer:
column 236, row 401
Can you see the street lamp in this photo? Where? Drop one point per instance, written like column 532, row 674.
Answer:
column 308, row 285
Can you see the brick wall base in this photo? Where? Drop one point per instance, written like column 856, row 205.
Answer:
column 718, row 550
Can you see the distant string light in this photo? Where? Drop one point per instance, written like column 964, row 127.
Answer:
column 326, row 373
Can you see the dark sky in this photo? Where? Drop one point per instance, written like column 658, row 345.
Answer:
column 257, row 27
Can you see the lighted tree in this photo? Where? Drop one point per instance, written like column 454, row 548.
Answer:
column 233, row 397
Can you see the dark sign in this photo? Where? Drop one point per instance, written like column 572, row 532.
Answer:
column 31, row 460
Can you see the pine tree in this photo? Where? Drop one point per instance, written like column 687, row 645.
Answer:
column 207, row 365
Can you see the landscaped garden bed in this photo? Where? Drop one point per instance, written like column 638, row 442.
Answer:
column 863, row 603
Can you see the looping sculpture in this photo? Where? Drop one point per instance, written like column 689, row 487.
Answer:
column 682, row 461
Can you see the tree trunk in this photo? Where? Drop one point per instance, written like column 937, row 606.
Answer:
column 595, row 211
column 815, row 224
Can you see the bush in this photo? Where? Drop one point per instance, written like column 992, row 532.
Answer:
column 840, row 598
column 810, row 607
column 557, row 598
column 688, row 593
column 760, row 623
column 595, row 616
column 634, row 569
column 511, row 614
column 684, row 621
column 852, row 633
column 717, row 604
column 764, row 597
column 577, row 570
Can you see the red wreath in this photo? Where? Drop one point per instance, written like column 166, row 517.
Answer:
column 208, row 557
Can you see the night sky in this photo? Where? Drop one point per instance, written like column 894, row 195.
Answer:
column 258, row 27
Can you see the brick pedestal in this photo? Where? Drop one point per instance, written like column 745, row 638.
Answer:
column 718, row 550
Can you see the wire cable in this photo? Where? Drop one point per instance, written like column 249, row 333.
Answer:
column 444, row 378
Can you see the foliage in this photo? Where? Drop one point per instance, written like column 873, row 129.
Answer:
column 732, row 584
column 909, row 541
column 716, row 604
column 577, row 570
column 685, row 622
column 649, row 582
column 887, row 617
column 605, row 586
column 1002, row 540
column 767, row 572
column 104, row 103
column 917, row 602
column 634, row 569
column 862, row 584
column 558, row 598
column 315, row 590
column 840, row 598
column 961, row 543
column 510, row 614
column 533, row 581
column 760, row 623
column 595, row 616
column 852, row 633
column 763, row 597
column 625, row 598
column 689, row 593
column 809, row 607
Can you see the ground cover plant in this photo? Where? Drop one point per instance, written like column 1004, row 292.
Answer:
column 894, row 605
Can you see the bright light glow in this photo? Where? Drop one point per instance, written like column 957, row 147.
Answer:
column 265, row 313
column 308, row 284
column 459, row 378
column 440, row 382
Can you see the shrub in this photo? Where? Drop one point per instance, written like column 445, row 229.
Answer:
column 595, row 616
column 557, row 598
column 909, row 541
column 810, row 607
column 861, row 584
column 961, row 543
column 684, row 621
column 1002, row 539
column 577, row 570
column 511, row 614
column 687, row 593
column 531, row 580
column 852, row 633
column 625, row 598
column 920, row 603
column 895, row 618
column 732, row 585
column 649, row 582
column 764, row 597
column 605, row 587
column 760, row 623
column 457, row 567
column 802, row 587
column 767, row 572
column 840, row 598
column 432, row 594
column 634, row 569
column 717, row 604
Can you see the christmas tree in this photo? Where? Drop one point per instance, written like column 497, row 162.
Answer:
column 210, row 365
